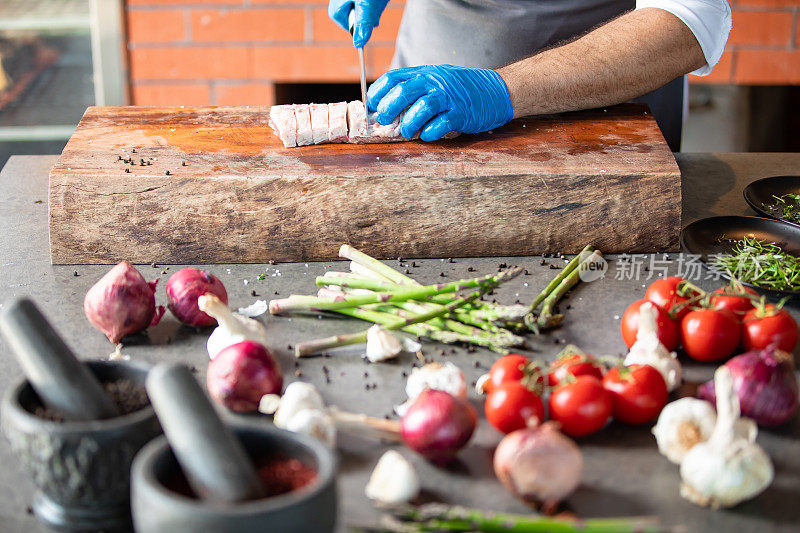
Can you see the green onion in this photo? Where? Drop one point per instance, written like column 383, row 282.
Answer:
column 788, row 205
column 761, row 263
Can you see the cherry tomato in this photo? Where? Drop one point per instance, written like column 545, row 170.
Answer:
column 710, row 334
column 581, row 406
column 512, row 406
column 738, row 305
column 638, row 393
column 575, row 364
column 664, row 293
column 668, row 332
column 508, row 368
column 760, row 329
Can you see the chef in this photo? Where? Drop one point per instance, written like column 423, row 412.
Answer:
column 473, row 65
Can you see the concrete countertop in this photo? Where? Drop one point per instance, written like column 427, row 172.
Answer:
column 624, row 474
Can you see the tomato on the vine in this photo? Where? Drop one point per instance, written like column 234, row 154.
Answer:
column 574, row 364
column 762, row 327
column 509, row 368
column 727, row 299
column 667, row 328
column 710, row 334
column 638, row 393
column 582, row 406
column 664, row 293
column 512, row 406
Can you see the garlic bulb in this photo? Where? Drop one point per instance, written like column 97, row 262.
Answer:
column 648, row 350
column 313, row 422
column 728, row 468
column 232, row 329
column 681, row 425
column 302, row 410
column 394, row 480
column 381, row 344
column 446, row 377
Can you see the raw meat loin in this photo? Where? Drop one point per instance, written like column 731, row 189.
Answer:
column 319, row 123
column 341, row 122
column 281, row 119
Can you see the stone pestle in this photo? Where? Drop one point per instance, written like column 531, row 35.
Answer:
column 213, row 459
column 61, row 381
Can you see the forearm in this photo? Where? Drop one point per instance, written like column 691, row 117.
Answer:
column 625, row 58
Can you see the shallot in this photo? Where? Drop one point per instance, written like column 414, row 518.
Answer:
column 438, row 424
column 233, row 327
column 765, row 383
column 122, row 303
column 539, row 464
column 241, row 374
column 184, row 287
column 727, row 468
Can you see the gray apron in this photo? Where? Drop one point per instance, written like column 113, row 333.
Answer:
column 493, row 33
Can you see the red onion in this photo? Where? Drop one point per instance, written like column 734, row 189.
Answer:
column 438, row 424
column 122, row 303
column 765, row 384
column 185, row 286
column 539, row 464
column 241, row 374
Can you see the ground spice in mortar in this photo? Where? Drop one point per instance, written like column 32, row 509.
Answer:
column 126, row 395
column 282, row 475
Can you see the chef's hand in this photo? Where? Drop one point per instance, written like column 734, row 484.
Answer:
column 442, row 98
column 367, row 14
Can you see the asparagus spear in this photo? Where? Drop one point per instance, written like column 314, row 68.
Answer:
column 484, row 285
column 439, row 517
column 566, row 271
column 546, row 318
column 314, row 303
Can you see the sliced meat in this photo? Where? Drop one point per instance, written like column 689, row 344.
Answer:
column 319, row 123
column 337, row 122
column 356, row 120
column 302, row 115
column 281, row 119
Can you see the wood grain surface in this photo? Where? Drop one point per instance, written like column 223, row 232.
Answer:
column 211, row 185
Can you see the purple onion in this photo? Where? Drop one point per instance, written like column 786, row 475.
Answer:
column 184, row 287
column 241, row 374
column 437, row 425
column 765, row 384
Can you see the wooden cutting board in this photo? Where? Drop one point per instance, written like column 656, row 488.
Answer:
column 210, row 185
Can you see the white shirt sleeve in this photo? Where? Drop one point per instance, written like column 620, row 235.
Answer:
column 709, row 20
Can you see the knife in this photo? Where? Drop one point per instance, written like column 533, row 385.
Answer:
column 351, row 22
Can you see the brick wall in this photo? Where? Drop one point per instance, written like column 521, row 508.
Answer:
column 232, row 52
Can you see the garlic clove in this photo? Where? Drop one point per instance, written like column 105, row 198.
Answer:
column 393, row 481
column 683, row 424
column 382, row 344
column 648, row 349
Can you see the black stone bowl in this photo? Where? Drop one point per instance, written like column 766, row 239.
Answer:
column 157, row 508
column 81, row 469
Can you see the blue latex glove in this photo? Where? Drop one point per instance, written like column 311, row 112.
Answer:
column 368, row 12
column 442, row 98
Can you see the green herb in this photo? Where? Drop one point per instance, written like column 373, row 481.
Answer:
column 788, row 205
column 761, row 263
column 262, row 276
column 37, row 201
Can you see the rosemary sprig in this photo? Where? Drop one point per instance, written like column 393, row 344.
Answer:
column 761, row 263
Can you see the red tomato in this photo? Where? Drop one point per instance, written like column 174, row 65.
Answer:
column 664, row 293
column 581, row 406
column 710, row 334
column 512, row 406
column 575, row 364
column 738, row 305
column 508, row 368
column 760, row 329
column 638, row 393
column 667, row 328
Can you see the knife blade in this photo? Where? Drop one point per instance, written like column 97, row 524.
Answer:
column 351, row 22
